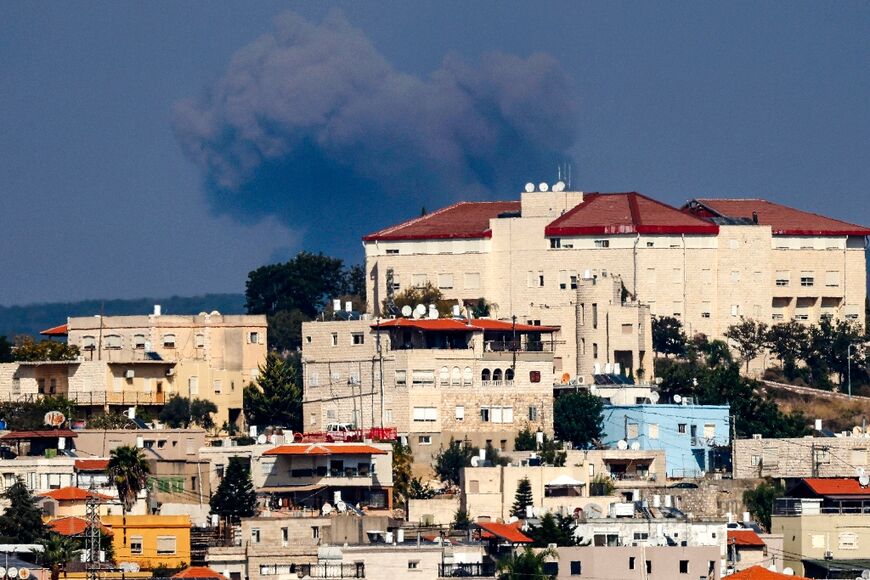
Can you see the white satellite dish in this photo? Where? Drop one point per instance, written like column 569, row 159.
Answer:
column 635, row 446
column 407, row 310
column 433, row 312
column 475, row 461
column 559, row 186
column 420, row 310
column 788, row 571
column 513, row 519
column 12, row 572
column 261, row 439
column 341, row 506
column 865, row 575
column 543, row 186
column 678, row 399
column 654, row 397
column 24, row 573
column 2, row 572
column 864, row 480
column 530, row 187
column 622, row 444
column 326, row 509
column 859, row 471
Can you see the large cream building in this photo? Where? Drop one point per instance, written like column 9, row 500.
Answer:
column 709, row 263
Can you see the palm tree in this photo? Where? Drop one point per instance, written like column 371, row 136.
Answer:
column 129, row 469
column 526, row 565
column 57, row 550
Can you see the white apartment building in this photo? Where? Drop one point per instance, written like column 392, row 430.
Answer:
column 709, row 263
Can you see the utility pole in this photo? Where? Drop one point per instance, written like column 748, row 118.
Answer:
column 849, row 367
column 92, row 538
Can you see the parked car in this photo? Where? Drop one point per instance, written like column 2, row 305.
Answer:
column 683, row 485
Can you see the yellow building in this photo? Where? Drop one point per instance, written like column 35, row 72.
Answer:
column 150, row 541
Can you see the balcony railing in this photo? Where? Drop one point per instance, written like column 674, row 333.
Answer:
column 479, row 570
column 517, row 346
column 319, row 570
column 508, row 383
column 788, row 506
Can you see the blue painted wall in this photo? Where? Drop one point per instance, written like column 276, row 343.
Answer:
column 681, row 432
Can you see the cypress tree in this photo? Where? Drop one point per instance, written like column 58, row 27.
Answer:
column 21, row 523
column 235, row 497
column 523, row 498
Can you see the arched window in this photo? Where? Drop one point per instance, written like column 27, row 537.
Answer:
column 168, row 341
column 113, row 341
column 455, row 376
column 139, row 341
column 466, row 376
column 88, row 342
column 484, row 375
column 509, row 375
column 496, row 375
column 444, row 375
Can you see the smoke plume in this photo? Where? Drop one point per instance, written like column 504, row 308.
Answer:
column 310, row 123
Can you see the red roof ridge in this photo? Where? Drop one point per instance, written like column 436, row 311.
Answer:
column 413, row 221
column 780, row 229
column 745, row 538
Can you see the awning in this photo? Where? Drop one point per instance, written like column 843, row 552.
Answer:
column 565, row 481
column 292, row 488
column 42, row 434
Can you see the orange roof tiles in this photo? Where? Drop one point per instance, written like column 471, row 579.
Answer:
column 761, row 573
column 508, row 532
column 782, row 219
column 55, row 331
column 462, row 325
column 747, row 538
column 41, row 434
column 325, row 449
column 72, row 526
column 836, row 486
column 198, row 572
column 626, row 213
column 92, row 464
column 73, row 494
column 467, row 219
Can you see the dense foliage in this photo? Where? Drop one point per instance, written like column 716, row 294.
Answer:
column 181, row 412
column 668, row 336
column 21, row 522
column 276, row 398
column 450, row 461
column 526, row 564
column 25, row 415
column 235, row 497
column 759, row 501
column 523, row 498
column 577, row 418
column 553, row 529
column 28, row 349
column 128, row 470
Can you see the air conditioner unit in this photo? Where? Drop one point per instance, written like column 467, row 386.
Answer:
column 130, row 373
column 829, row 555
column 756, row 435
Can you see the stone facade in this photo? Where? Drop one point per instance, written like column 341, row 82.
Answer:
column 801, row 457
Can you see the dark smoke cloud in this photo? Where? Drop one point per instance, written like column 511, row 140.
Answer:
column 310, row 123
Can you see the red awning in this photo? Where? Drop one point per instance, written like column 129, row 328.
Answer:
column 462, row 325
column 55, row 331
column 507, row 532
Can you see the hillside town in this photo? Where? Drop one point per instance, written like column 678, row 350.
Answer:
column 564, row 385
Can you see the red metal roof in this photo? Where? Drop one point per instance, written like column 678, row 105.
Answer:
column 836, row 486
column 466, row 219
column 462, row 325
column 782, row 219
column 325, row 449
column 73, row 526
column 761, row 573
column 55, row 331
column 92, row 464
column 43, row 434
column 507, row 532
column 198, row 572
column 747, row 538
column 73, row 494
column 626, row 213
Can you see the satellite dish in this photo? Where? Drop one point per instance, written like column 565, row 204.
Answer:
column 326, row 509
column 788, row 571
column 654, row 397
column 635, row 446
column 407, row 310
column 865, row 574
column 513, row 519
column 530, row 187
column 622, row 444
column 475, row 461
column 341, row 506
column 678, row 399
column 261, row 439
column 24, row 573
column 864, row 480
column 559, row 186
column 12, row 572
column 419, row 310
column 543, row 186
column 2, row 571
column 433, row 312
column 860, row 471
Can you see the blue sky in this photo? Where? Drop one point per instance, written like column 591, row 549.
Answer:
column 105, row 193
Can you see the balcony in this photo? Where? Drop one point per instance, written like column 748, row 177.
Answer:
column 319, row 570
column 790, row 506
column 478, row 570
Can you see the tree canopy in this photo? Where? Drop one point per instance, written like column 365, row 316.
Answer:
column 668, row 336
column 128, row 470
column 553, row 529
column 24, row 415
column 276, row 398
column 28, row 349
column 449, row 463
column 577, row 418
column 523, row 498
column 235, row 497
column 21, row 522
column 749, row 338
column 181, row 412
column 759, row 501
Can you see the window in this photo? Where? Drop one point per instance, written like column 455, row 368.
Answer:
column 540, row 279
column 709, row 431
column 533, row 413
column 594, row 315
column 199, row 341
column 334, row 339
column 576, row 568
column 419, row 280
column 807, row 278
column 392, row 251
column 848, row 541
column 602, row 243
column 555, row 243
column 219, row 471
column 649, row 566
column 832, row 278
column 572, row 278
column 413, row 564
column 423, row 377
column 632, row 430
column 193, row 385
column 460, row 413
column 472, row 280
column 88, row 343
column 445, row 281
column 678, row 308
column 563, row 279
column 641, row 536
column 217, row 386
column 168, row 341
column 285, row 537
column 684, row 566
column 255, row 535
column 653, row 430
column 113, row 341
column 425, row 414
column 595, row 350
column 455, row 376
column 484, row 414
column 681, row 428
column 534, row 376
column 135, row 544
column 357, row 338
column 424, row 440
column 735, row 276
column 139, row 341
column 467, row 373
column 165, row 545
column 735, row 310
column 631, row 560
column 401, row 378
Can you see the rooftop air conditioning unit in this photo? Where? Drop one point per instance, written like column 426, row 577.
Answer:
column 130, row 373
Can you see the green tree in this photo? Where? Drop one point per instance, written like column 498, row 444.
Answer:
column 5, row 350
column 285, row 329
column 759, row 501
column 552, row 453
column 27, row 349
column 668, row 336
column 28, row 415
column 428, row 294
column 57, row 552
column 450, row 461
column 420, row 490
column 526, row 564
column 235, row 497
column 128, row 469
column 578, row 419
column 21, row 522
column 276, row 399
column 553, row 529
column 402, row 462
column 111, row 420
column 523, row 498
column 786, row 341
column 176, row 412
column 461, row 521
column 525, row 440
column 201, row 411
column 749, row 338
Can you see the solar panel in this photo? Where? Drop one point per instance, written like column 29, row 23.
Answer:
column 153, row 356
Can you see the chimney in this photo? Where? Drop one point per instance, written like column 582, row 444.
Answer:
column 755, row 217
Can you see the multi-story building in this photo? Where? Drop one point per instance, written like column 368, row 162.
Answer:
column 479, row 380
column 628, row 562
column 150, row 541
column 800, row 457
column 709, row 264
column 691, row 435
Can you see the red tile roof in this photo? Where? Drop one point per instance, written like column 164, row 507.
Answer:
column 92, row 464
column 836, row 486
column 73, row 494
column 198, row 572
column 761, row 573
column 462, row 325
column 42, row 434
column 507, row 532
column 72, row 526
column 783, row 220
column 325, row 449
column 747, row 538
column 467, row 219
column 626, row 213
column 55, row 331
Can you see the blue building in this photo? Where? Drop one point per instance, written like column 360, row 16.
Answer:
column 694, row 437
